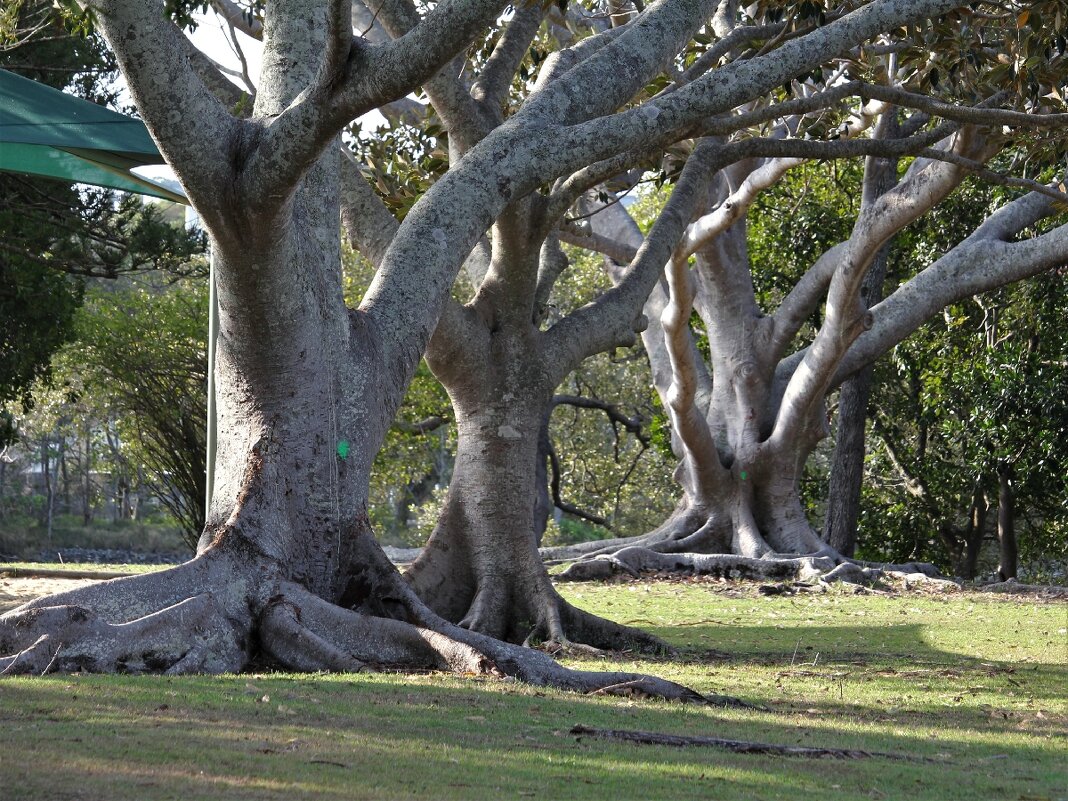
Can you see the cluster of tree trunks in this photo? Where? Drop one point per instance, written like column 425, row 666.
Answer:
column 287, row 566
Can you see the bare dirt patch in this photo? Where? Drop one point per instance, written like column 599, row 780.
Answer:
column 17, row 591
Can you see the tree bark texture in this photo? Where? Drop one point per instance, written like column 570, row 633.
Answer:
column 1006, row 524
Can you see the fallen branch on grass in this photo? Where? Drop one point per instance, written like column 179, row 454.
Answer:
column 738, row 746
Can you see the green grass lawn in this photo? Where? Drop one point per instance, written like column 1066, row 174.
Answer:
column 971, row 687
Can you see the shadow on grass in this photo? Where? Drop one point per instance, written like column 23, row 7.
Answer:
column 899, row 650
column 269, row 736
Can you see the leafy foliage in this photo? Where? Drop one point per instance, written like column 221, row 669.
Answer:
column 155, row 383
column 48, row 228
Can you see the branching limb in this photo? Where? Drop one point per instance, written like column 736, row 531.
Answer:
column 495, row 81
column 235, row 16
column 617, row 251
column 369, row 225
column 688, row 423
column 425, row 426
column 552, row 262
column 1057, row 193
column 559, row 502
column 192, row 128
column 294, row 139
column 984, row 261
column 218, row 84
column 740, row 81
column 596, row 327
column 925, row 185
column 729, row 42
column 612, row 412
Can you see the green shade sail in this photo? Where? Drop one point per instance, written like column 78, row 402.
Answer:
column 48, row 133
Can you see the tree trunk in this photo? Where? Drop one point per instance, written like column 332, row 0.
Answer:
column 481, row 567
column 847, row 465
column 62, row 477
column 46, row 475
column 87, row 475
column 1006, row 524
column 3, row 485
column 973, row 535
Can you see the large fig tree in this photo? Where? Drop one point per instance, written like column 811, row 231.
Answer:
column 746, row 421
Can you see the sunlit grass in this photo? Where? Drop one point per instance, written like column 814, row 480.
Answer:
column 971, row 688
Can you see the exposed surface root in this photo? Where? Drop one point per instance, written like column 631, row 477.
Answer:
column 598, row 632
column 192, row 636
column 211, row 633
column 346, row 640
column 635, row 561
column 1012, row 587
column 523, row 606
column 825, row 566
column 430, row 642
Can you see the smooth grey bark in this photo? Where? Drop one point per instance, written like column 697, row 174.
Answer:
column 847, row 461
column 287, row 565
column 766, row 412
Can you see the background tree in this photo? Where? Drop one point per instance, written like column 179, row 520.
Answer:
column 746, row 426
column 55, row 236
column 966, row 435
column 156, row 383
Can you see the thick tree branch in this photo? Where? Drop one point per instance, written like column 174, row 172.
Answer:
column 235, row 16
column 846, row 317
column 370, row 226
column 984, row 261
column 609, row 321
column 415, row 278
column 420, row 427
column 292, row 141
column 978, row 114
column 688, row 422
column 738, row 82
column 618, row 252
column 532, row 148
column 228, row 93
column 466, row 121
column 193, row 130
column 495, row 81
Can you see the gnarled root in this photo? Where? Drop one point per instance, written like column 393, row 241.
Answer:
column 299, row 617
column 302, row 631
column 550, row 619
column 192, row 636
column 825, row 566
column 685, row 531
column 635, row 561
column 210, row 632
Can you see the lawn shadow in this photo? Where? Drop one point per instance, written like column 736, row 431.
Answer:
column 273, row 736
